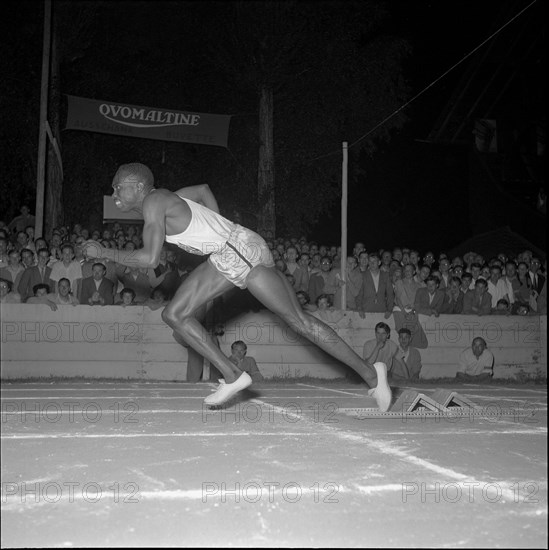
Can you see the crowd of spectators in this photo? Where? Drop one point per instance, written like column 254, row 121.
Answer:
column 399, row 282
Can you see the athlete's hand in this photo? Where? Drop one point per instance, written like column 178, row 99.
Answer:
column 91, row 249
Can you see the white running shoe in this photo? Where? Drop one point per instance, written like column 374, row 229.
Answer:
column 382, row 392
column 225, row 391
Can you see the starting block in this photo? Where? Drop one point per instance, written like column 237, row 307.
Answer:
column 449, row 399
column 413, row 401
column 412, row 404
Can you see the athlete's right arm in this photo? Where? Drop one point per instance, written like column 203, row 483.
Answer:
column 154, row 233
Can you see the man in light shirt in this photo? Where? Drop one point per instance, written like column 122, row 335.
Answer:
column 476, row 364
column 496, row 286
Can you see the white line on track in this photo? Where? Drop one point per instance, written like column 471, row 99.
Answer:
column 388, row 448
column 142, row 435
column 334, row 390
column 144, row 397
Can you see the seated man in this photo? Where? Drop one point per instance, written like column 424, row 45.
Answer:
column 245, row 364
column 383, row 350
column 476, row 364
column 410, row 358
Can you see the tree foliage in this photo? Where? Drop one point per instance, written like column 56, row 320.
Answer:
column 335, row 71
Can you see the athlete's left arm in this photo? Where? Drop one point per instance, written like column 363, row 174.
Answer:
column 201, row 194
column 154, row 233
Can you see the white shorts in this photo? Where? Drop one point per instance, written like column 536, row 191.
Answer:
column 243, row 251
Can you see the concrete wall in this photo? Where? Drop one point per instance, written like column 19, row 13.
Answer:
column 134, row 342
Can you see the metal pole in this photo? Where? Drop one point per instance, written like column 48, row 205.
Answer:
column 344, row 225
column 42, row 137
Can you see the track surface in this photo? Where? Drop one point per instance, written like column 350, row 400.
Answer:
column 130, row 464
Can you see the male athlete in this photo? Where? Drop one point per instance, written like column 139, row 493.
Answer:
column 237, row 256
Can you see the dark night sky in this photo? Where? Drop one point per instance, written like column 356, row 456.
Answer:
column 441, row 32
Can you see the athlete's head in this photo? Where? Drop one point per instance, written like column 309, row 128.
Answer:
column 131, row 183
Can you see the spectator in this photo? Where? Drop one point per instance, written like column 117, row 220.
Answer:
column 453, row 302
column 301, row 276
column 304, row 263
column 537, row 279
column 34, row 275
column 542, row 300
column 27, row 258
column 55, row 250
column 429, row 300
column 511, row 281
column 524, row 294
column 316, row 258
column 157, row 300
column 445, row 275
column 502, row 307
column 63, row 295
column 383, row 349
column 414, row 259
column 457, row 271
column 478, row 301
column 161, row 267
column 386, row 258
column 40, row 296
column 14, row 271
column 19, row 223
column 397, row 255
column 422, row 274
column 97, row 290
column 485, row 272
column 352, row 286
column 466, row 279
column 429, row 260
column 410, row 358
column 6, row 294
column 475, row 271
column 522, row 309
column 324, row 282
column 405, row 290
column 3, row 252
column 363, row 261
column 127, row 297
column 496, row 287
column 469, row 260
column 67, row 268
column 476, row 364
column 376, row 294
column 357, row 249
column 243, row 362
column 141, row 280
column 395, row 275
column 305, row 301
column 326, row 312
column 23, row 242
column 172, row 280
column 280, row 264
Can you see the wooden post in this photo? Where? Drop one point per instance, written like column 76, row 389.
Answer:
column 344, row 225
column 42, row 137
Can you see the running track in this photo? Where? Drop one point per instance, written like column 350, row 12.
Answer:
column 144, row 464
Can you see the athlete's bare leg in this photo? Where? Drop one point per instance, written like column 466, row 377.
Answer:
column 203, row 284
column 271, row 288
